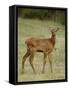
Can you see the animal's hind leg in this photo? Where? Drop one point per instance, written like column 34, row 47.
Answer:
column 44, row 62
column 24, row 59
column 31, row 61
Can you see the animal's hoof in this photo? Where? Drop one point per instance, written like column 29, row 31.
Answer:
column 51, row 71
column 42, row 72
column 34, row 72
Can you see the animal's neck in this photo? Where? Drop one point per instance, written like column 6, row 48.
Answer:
column 53, row 40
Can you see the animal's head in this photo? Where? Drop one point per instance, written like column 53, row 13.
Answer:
column 53, row 31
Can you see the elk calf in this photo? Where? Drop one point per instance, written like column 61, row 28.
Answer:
column 45, row 46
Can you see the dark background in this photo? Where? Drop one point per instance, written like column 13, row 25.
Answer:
column 43, row 14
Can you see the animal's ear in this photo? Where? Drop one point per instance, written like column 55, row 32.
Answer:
column 50, row 29
column 57, row 29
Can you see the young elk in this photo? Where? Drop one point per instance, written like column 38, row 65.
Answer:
column 45, row 46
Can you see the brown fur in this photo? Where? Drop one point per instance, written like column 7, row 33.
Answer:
column 45, row 46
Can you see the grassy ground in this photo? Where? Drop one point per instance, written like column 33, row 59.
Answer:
column 36, row 28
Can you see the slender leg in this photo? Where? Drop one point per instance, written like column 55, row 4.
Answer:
column 44, row 62
column 31, row 61
column 24, row 59
column 49, row 57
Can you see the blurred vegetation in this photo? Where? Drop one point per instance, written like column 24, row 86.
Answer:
column 28, row 28
column 42, row 14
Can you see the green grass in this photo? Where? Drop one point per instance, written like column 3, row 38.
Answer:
column 36, row 28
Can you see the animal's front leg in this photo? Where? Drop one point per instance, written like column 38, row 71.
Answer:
column 44, row 62
column 50, row 61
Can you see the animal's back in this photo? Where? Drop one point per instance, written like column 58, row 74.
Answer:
column 39, row 44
